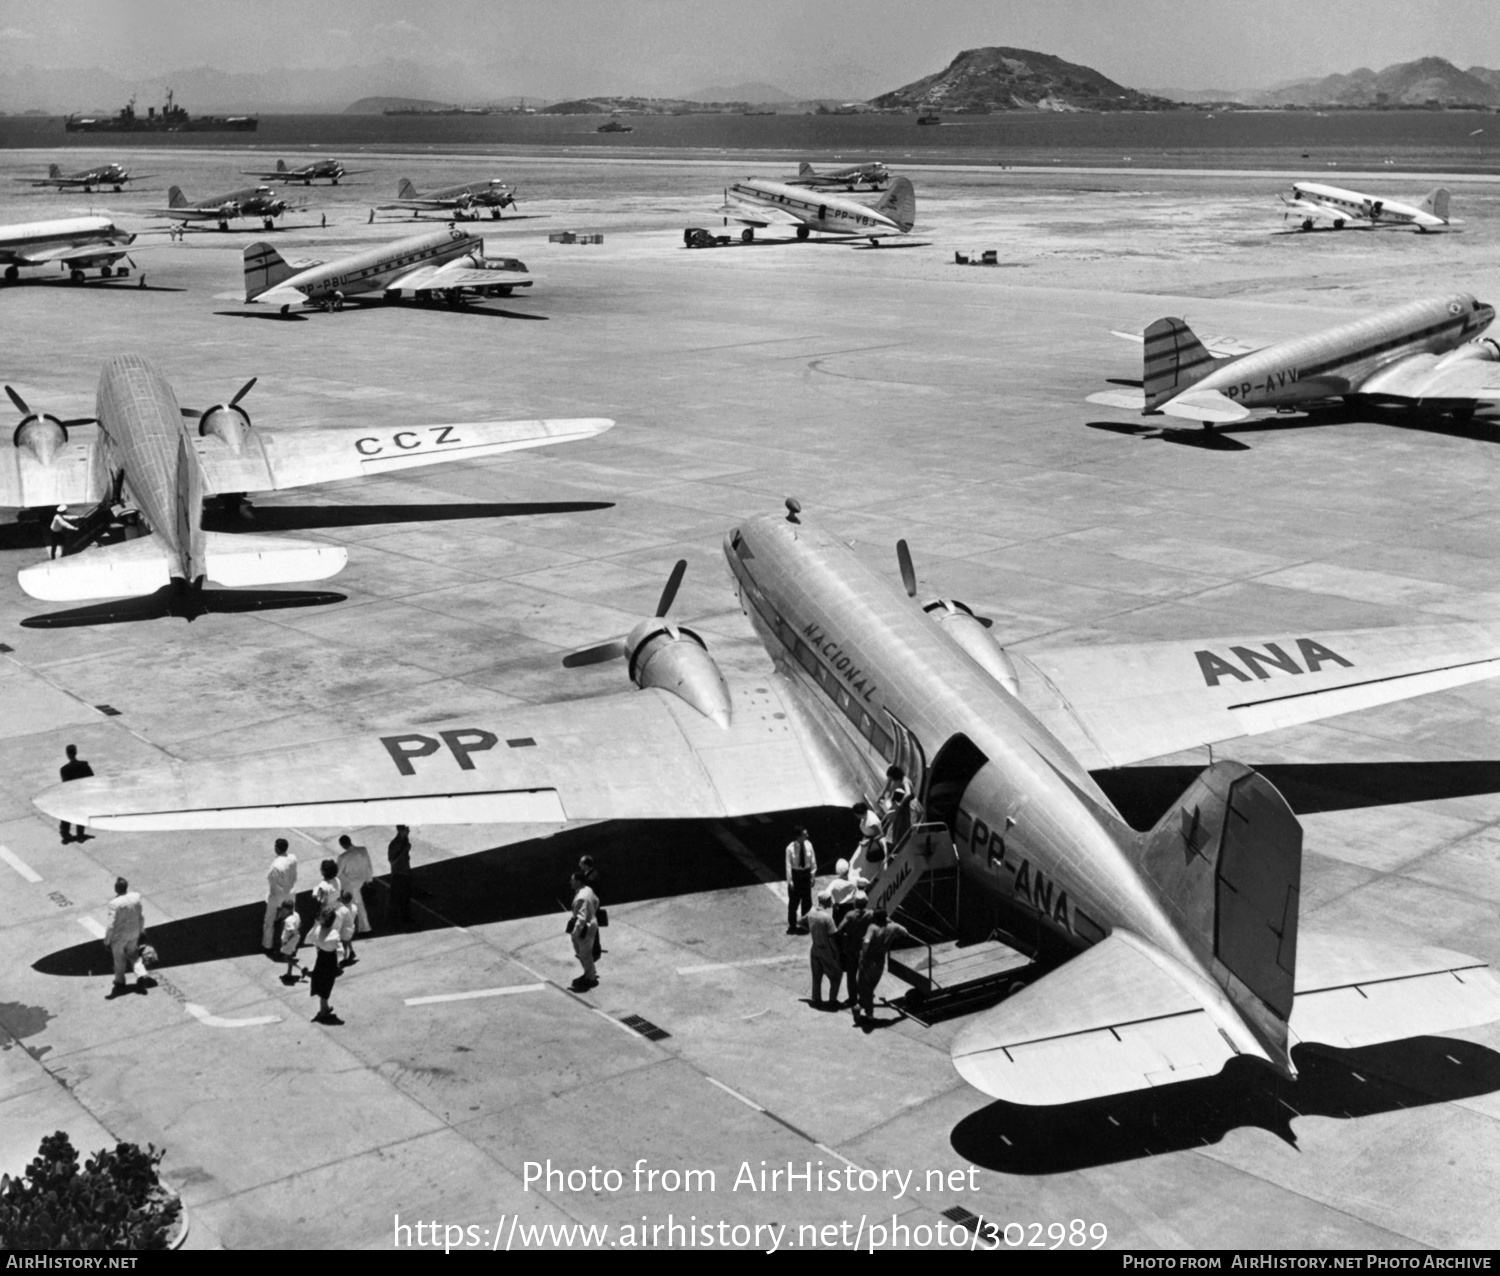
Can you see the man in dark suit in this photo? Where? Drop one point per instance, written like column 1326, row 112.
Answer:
column 75, row 768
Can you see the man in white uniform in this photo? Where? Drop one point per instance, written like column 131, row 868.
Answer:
column 123, row 935
column 355, row 870
column 281, row 886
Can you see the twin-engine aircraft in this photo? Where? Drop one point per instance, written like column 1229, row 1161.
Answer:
column 253, row 201
column 759, row 203
column 307, row 174
column 1187, row 935
column 874, row 175
column 444, row 263
column 1311, row 203
column 168, row 461
column 1425, row 355
column 109, row 175
column 76, row 244
column 462, row 202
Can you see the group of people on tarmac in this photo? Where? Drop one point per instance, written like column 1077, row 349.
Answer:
column 850, row 941
column 340, row 912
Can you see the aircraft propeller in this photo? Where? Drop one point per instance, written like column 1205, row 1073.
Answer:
column 193, row 414
column 909, row 579
column 27, row 414
column 617, row 647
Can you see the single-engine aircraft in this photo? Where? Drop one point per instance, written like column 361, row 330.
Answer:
column 1186, row 936
column 1312, row 202
column 462, row 202
column 874, row 175
column 307, row 174
column 759, row 203
column 442, row 263
column 1427, row 355
column 168, row 462
column 74, row 243
column 253, row 201
column 111, row 174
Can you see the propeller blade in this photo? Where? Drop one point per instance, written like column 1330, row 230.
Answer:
column 669, row 594
column 192, row 414
column 79, row 420
column 244, row 390
column 611, row 650
column 908, row 572
column 18, row 401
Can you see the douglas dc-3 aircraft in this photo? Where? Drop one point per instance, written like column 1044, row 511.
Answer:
column 109, row 175
column 760, row 203
column 307, row 174
column 168, row 461
column 1186, row 935
column 253, row 201
column 1425, row 354
column 460, row 201
column 442, row 263
column 874, row 175
column 1312, row 202
column 74, row 243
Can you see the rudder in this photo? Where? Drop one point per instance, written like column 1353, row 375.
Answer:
column 175, row 197
column 899, row 203
column 1174, row 360
column 804, row 169
column 264, row 269
column 1436, row 202
column 1227, row 862
column 405, row 190
column 54, row 170
column 281, row 166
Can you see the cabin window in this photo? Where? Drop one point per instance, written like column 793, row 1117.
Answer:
column 806, row 659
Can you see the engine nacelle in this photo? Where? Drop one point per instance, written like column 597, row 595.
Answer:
column 969, row 632
column 228, row 423
column 1483, row 350
column 675, row 659
column 42, row 436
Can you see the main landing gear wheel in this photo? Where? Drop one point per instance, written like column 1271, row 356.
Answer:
column 495, row 213
column 105, row 272
column 1307, row 223
column 268, row 223
column 75, row 276
column 224, row 225
column 747, row 236
column 12, row 273
column 803, row 232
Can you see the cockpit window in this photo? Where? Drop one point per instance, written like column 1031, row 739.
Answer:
column 740, row 545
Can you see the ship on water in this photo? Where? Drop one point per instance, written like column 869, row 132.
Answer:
column 170, row 119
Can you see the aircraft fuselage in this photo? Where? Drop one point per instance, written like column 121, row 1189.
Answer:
column 373, row 269
column 1365, row 207
column 1343, row 360
column 830, row 214
column 1033, row 830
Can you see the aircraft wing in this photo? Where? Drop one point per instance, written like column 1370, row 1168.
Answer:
column 274, row 460
column 1124, row 1016
column 456, row 274
column 420, row 205
column 758, row 214
column 78, row 253
column 1312, row 208
column 633, row 755
column 68, row 479
column 1425, row 376
column 1114, row 705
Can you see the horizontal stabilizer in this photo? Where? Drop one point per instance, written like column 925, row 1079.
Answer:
column 236, row 561
column 126, row 570
column 1205, row 405
column 1121, row 1016
column 1353, row 992
column 1130, row 400
column 281, row 297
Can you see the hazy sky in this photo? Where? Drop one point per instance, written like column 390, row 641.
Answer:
column 562, row 47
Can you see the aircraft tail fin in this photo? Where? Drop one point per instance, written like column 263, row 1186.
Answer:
column 1226, row 860
column 899, row 203
column 1175, row 359
column 804, row 169
column 264, row 269
column 281, row 166
column 1436, row 202
column 405, row 190
column 54, row 170
column 234, row 560
column 175, row 197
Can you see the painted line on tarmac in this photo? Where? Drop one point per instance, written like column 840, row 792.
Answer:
column 214, row 1021
column 734, row 965
column 741, row 852
column 471, row 996
column 94, row 928
column 781, row 1121
column 823, row 1147
column 20, row 865
column 735, row 1094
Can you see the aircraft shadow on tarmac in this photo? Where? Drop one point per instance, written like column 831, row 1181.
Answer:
column 287, row 518
column 636, row 860
column 1144, row 794
column 1483, row 429
column 168, row 601
column 1343, row 1084
column 137, row 284
column 357, row 304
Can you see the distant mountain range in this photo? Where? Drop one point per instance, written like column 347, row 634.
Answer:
column 1001, row 79
column 1421, row 83
column 756, row 93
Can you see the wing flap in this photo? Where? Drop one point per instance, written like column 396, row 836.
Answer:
column 635, row 755
column 1117, row 704
column 1112, row 1020
column 68, row 479
column 274, row 460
